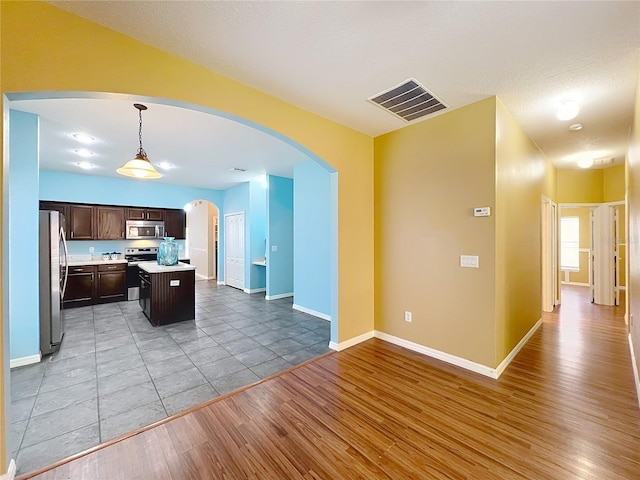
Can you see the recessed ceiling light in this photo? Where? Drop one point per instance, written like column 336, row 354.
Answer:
column 83, row 152
column 83, row 137
column 85, row 165
column 575, row 127
column 568, row 110
column 165, row 165
column 585, row 163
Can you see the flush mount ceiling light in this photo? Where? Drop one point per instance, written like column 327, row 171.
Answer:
column 575, row 127
column 165, row 165
column 139, row 167
column 83, row 138
column 85, row 165
column 83, row 152
column 568, row 110
column 585, row 163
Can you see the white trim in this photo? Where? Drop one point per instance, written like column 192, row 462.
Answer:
column 439, row 355
column 315, row 313
column 278, row 296
column 622, row 287
column 636, row 376
column 254, row 290
column 22, row 361
column 11, row 471
column 459, row 361
column 221, row 282
column 579, row 284
column 505, row 363
column 204, row 277
column 351, row 342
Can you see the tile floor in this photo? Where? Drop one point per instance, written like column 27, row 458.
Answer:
column 116, row 372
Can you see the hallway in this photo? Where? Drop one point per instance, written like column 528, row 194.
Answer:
column 566, row 408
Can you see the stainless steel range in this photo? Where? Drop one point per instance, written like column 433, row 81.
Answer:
column 133, row 257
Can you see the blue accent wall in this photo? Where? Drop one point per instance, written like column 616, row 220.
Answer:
column 257, row 233
column 24, row 313
column 279, row 234
column 72, row 187
column 312, row 237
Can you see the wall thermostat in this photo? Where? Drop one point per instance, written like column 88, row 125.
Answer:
column 482, row 212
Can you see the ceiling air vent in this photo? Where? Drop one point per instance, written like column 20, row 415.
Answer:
column 409, row 101
column 603, row 161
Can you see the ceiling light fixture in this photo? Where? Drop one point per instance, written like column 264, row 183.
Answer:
column 165, row 165
column 575, row 127
column 585, row 163
column 140, row 166
column 83, row 138
column 568, row 110
column 83, row 152
column 85, row 165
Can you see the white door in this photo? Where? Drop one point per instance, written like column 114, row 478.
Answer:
column 603, row 252
column 548, row 252
column 234, row 250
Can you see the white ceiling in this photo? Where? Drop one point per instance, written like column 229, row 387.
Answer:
column 329, row 57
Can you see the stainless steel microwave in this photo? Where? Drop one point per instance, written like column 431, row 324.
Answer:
column 143, row 229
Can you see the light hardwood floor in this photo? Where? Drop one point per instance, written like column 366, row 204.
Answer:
column 566, row 408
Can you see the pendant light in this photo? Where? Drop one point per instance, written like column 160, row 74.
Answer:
column 139, row 167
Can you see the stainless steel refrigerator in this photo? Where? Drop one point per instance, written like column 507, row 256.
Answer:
column 54, row 268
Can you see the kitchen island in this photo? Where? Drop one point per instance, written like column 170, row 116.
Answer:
column 167, row 293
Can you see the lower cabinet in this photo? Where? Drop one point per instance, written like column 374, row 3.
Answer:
column 80, row 289
column 92, row 284
column 111, row 285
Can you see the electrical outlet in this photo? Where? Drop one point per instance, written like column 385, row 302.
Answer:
column 274, row 248
column 407, row 317
column 91, row 249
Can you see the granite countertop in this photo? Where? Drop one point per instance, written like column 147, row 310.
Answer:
column 76, row 263
column 153, row 267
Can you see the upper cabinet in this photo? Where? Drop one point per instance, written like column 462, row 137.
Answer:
column 107, row 222
column 110, row 223
column 145, row 214
column 174, row 223
column 81, row 225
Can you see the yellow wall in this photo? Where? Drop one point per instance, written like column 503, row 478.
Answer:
column 613, row 187
column 520, row 176
column 633, row 249
column 428, row 178
column 579, row 186
column 44, row 48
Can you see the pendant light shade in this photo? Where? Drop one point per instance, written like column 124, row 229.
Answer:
column 140, row 166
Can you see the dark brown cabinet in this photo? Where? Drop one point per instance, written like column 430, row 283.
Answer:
column 63, row 208
column 80, row 286
column 145, row 214
column 174, row 224
column 110, row 223
column 81, row 224
column 111, row 283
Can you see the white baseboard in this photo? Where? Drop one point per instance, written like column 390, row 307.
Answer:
column 22, row 361
column 579, row 284
column 505, row 363
column 351, row 342
column 221, row 282
column 11, row 471
column 636, row 375
column 315, row 313
column 204, row 277
column 437, row 354
column 459, row 361
column 278, row 296
column 254, row 290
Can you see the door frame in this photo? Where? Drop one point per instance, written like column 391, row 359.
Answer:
column 549, row 232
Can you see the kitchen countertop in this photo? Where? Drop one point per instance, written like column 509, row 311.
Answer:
column 76, row 263
column 153, row 267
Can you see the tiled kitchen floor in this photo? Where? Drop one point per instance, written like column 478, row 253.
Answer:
column 116, row 372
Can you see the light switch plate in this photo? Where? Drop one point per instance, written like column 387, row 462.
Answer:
column 469, row 261
column 274, row 248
